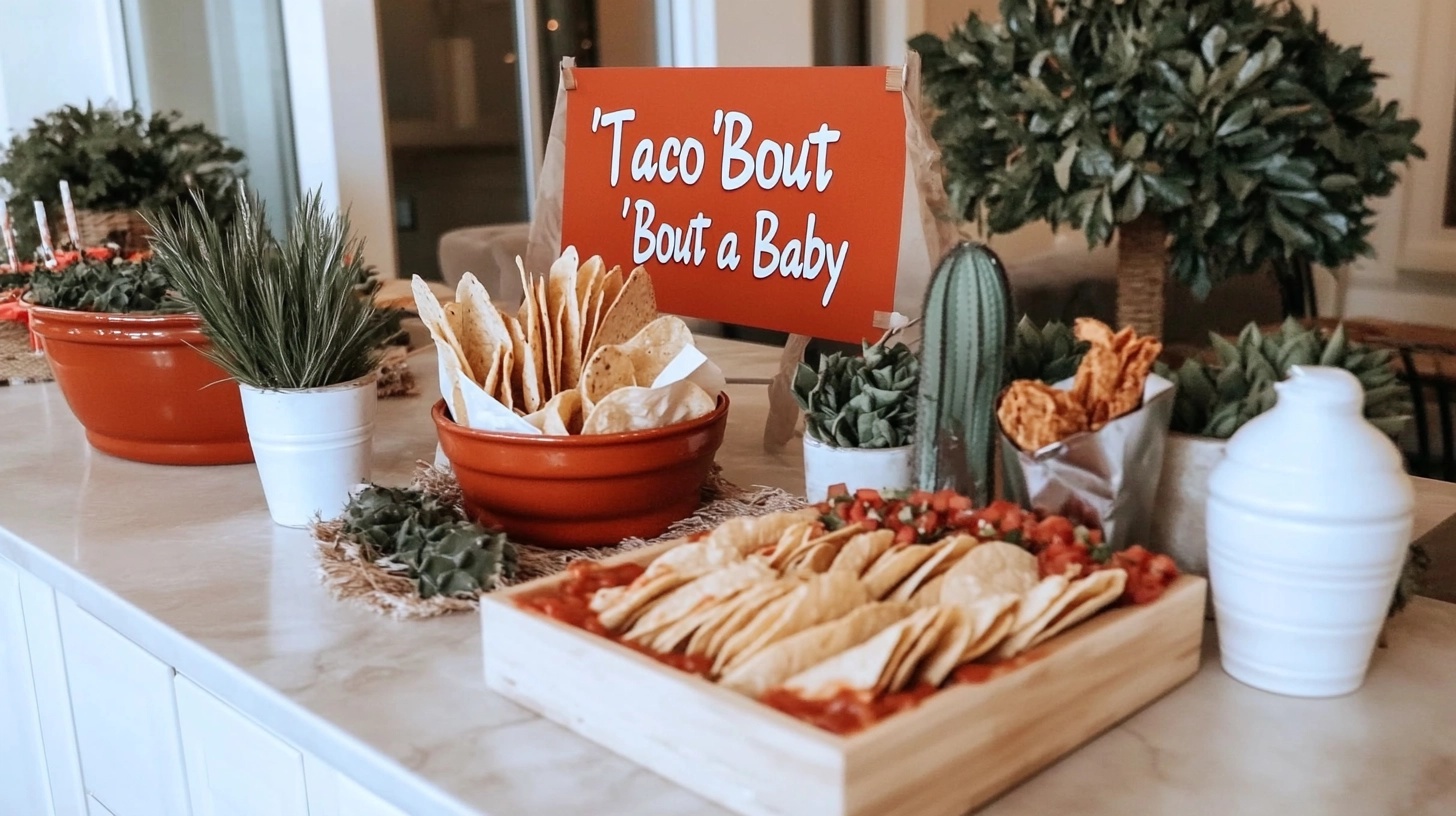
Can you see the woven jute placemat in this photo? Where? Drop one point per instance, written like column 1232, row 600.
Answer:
column 18, row 364
column 350, row 577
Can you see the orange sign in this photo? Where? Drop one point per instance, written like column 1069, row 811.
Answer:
column 767, row 197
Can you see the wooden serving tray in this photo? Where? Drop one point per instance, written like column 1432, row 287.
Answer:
column 955, row 751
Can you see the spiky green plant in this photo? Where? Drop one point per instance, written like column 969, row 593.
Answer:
column 280, row 314
column 1050, row 353
column 415, row 532
column 1216, row 399
column 866, row 401
column 116, row 286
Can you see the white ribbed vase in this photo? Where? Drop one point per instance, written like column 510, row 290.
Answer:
column 1309, row 521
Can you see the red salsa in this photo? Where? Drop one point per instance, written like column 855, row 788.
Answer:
column 847, row 711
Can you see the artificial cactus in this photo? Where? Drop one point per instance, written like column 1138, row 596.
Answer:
column 966, row 329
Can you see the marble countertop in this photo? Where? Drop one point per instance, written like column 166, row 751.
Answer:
column 185, row 562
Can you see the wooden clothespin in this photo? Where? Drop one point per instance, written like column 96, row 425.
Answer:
column 568, row 73
column 895, row 78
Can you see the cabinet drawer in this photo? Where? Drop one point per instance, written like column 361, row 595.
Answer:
column 126, row 722
column 23, row 779
column 234, row 766
column 95, row 808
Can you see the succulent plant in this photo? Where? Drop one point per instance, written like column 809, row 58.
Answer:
column 866, row 401
column 443, row 552
column 967, row 328
column 1216, row 399
column 1050, row 353
column 117, row 285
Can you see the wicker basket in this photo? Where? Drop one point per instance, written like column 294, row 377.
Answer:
column 125, row 228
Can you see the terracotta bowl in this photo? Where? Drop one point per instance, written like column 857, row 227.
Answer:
column 141, row 389
column 582, row 491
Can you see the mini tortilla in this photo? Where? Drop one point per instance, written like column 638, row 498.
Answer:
column 713, row 635
column 798, row 652
column 566, row 317
column 996, row 567
column 633, row 308
column 640, row 409
column 483, row 332
column 596, row 305
column 524, row 380
column 747, row 534
column 975, row 630
column 588, row 283
column 546, row 325
column 432, row 314
column 1029, row 613
column 865, row 668
column 655, row 345
column 918, row 651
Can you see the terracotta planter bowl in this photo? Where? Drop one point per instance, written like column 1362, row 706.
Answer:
column 141, row 389
column 582, row 491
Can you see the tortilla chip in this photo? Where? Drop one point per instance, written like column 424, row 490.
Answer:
column 893, row 567
column 1083, row 599
column 595, row 304
column 732, row 615
column 907, row 665
column 945, row 553
column 483, row 331
column 795, row 653
column 705, row 590
column 747, row 534
column 561, row 289
column 821, row 598
column 453, row 310
column 640, row 409
column 633, row 308
column 796, row 542
column 608, row 369
column 525, row 384
column 993, row 568
column 562, row 416
column 865, row 668
column 547, row 327
column 655, row 345
column 620, row 609
column 1033, row 613
column 432, row 314
column 862, row 550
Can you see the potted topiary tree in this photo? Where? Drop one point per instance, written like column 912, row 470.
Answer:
column 1213, row 137
column 129, row 359
column 118, row 163
column 288, row 321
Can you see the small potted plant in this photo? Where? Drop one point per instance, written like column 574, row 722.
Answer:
column 287, row 320
column 118, row 163
column 859, row 418
column 1217, row 397
column 131, row 362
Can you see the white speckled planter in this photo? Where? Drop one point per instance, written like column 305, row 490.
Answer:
column 879, row 468
column 1178, row 515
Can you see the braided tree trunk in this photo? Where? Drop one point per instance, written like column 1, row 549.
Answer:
column 1142, row 270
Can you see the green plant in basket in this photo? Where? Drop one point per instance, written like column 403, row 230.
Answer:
column 119, row 160
column 865, row 401
column 281, row 314
column 117, row 286
column 414, row 532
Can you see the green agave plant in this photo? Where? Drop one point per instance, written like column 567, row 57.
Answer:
column 1050, row 353
column 429, row 540
column 865, row 401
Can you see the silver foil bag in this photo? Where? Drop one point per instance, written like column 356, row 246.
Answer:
column 1106, row 479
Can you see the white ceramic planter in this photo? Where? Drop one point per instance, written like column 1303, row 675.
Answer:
column 1309, row 521
column 312, row 446
column 1179, row 510
column 879, row 468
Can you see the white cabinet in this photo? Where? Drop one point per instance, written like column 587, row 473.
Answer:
column 52, row 697
column 330, row 793
column 24, row 785
column 125, row 719
column 95, row 808
column 234, row 766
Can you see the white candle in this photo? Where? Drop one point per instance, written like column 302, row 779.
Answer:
column 9, row 237
column 44, row 226
column 71, row 226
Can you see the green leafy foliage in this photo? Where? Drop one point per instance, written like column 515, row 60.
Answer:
column 1255, row 138
column 118, row 160
column 1050, row 353
column 280, row 314
column 861, row 402
column 117, row 285
column 1216, row 399
column 415, row 532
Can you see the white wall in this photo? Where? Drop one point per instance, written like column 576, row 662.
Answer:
column 765, row 32
column 54, row 52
